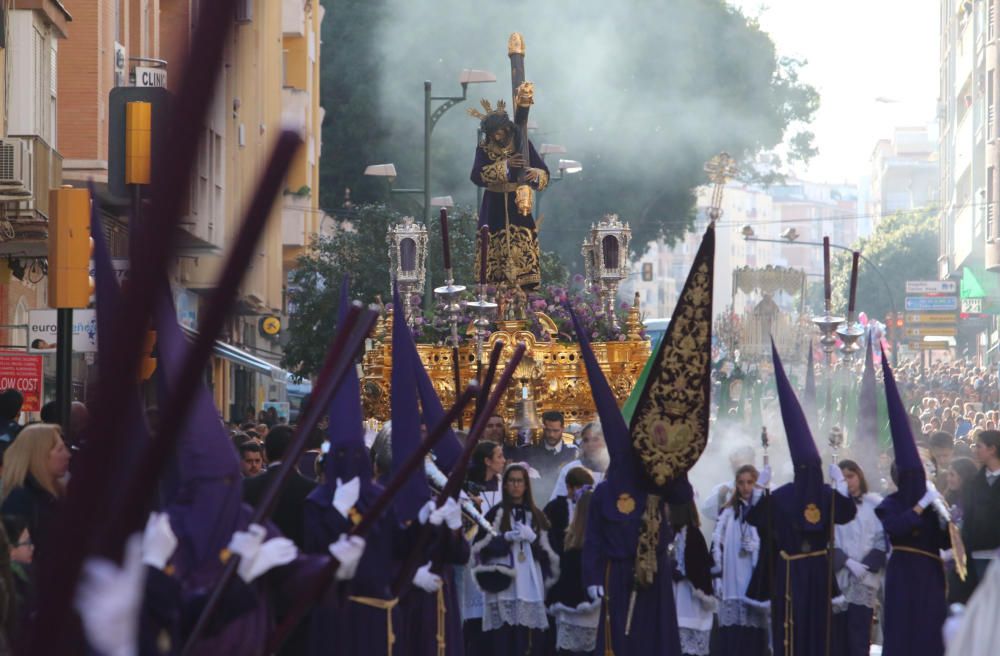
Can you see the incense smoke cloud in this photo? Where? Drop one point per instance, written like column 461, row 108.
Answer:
column 591, row 64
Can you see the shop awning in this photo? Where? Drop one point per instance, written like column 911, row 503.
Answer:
column 977, row 283
column 243, row 358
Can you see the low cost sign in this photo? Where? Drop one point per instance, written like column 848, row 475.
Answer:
column 24, row 374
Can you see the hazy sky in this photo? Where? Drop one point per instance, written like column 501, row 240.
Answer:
column 857, row 51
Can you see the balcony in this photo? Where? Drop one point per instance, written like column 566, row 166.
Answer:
column 293, row 17
column 29, row 215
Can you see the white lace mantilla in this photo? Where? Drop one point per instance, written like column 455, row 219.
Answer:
column 570, row 637
column 695, row 642
column 497, row 612
column 734, row 612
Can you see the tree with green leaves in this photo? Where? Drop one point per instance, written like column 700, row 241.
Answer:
column 904, row 246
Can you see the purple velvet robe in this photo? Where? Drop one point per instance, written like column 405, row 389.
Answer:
column 512, row 254
column 339, row 625
column 609, row 560
column 915, row 602
column 780, row 514
column 418, row 610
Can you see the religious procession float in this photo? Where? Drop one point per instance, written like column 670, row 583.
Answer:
column 504, row 304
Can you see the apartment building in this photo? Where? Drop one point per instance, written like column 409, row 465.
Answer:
column 969, row 155
column 904, row 174
column 270, row 77
column 30, row 157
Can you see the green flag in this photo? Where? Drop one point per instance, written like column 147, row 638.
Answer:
column 629, row 408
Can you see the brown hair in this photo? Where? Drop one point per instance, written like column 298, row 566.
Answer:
column 578, row 477
column 29, row 454
column 850, row 465
column 541, row 521
column 745, row 469
column 577, row 528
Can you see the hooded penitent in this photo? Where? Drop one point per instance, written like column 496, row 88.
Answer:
column 405, row 415
column 808, row 465
column 207, row 506
column 347, row 457
column 909, row 468
column 864, row 442
column 622, row 476
column 448, row 450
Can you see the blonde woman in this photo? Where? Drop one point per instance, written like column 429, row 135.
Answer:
column 34, row 466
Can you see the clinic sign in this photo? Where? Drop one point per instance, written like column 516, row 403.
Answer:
column 42, row 331
column 23, row 373
column 150, row 77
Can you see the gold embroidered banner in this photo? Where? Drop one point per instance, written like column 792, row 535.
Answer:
column 670, row 424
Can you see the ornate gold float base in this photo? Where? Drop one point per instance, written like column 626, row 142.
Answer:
column 553, row 371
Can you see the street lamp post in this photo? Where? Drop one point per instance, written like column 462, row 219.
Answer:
column 431, row 117
column 564, row 168
column 748, row 235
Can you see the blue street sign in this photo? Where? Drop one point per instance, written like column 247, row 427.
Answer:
column 922, row 303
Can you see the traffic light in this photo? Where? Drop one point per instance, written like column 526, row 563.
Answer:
column 147, row 366
column 70, row 285
column 138, row 141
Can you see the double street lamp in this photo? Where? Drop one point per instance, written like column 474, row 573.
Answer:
column 431, row 117
column 789, row 238
column 565, row 167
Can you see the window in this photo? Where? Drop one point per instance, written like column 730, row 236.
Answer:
column 990, row 104
column 990, row 204
column 990, row 19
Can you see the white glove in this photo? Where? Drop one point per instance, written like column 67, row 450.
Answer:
column 426, row 512
column 717, row 586
column 158, row 541
column 836, row 473
column 856, row 568
column 956, row 616
column 595, row 592
column 764, row 478
column 109, row 599
column 512, row 536
column 527, row 534
column 450, row 513
column 929, row 496
column 346, row 495
column 427, row 580
column 348, row 550
column 257, row 556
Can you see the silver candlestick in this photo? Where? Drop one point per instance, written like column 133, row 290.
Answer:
column 850, row 334
column 827, row 325
column 482, row 307
column 449, row 295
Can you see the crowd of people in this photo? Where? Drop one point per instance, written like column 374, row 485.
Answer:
column 514, row 571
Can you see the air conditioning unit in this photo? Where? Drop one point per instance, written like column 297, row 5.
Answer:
column 15, row 168
column 121, row 66
column 244, row 11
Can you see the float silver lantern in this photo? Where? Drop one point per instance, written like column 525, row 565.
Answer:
column 606, row 262
column 407, row 260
